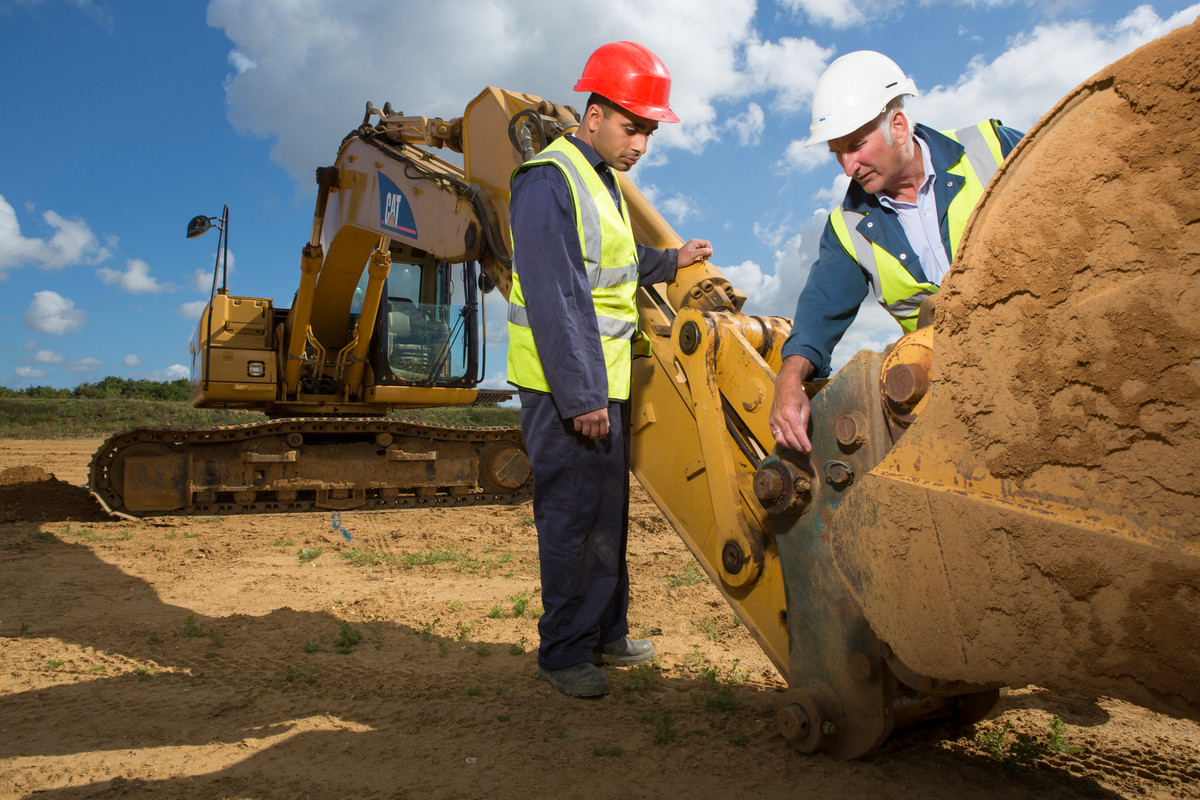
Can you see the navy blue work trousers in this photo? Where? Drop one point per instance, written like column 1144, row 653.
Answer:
column 581, row 509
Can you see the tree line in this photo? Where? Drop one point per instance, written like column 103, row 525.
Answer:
column 110, row 387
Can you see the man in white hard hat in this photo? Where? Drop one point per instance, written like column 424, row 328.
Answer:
column 898, row 227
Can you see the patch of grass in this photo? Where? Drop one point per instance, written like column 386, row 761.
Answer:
column 282, row 543
column 190, row 628
column 54, row 663
column 692, row 575
column 428, row 629
column 739, row 739
column 709, row 628
column 98, row 668
column 155, row 638
column 517, row 648
column 520, row 602
column 293, row 673
column 43, row 536
column 305, row 554
column 454, row 606
column 1021, row 750
column 717, row 691
column 608, row 752
column 348, row 637
column 643, row 678
column 495, row 613
column 464, row 629
column 217, row 636
column 365, row 558
column 210, row 655
column 474, row 691
column 483, row 649
column 664, row 728
column 312, row 645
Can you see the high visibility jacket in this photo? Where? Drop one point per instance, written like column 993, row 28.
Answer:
column 895, row 287
column 610, row 262
column 838, row 282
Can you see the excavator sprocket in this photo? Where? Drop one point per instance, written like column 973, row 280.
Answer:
column 306, row 464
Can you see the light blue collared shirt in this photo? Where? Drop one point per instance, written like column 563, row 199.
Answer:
column 920, row 223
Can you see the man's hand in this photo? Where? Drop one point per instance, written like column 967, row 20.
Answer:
column 790, row 411
column 695, row 250
column 593, row 424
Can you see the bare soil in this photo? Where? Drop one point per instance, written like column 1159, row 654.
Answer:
column 199, row 658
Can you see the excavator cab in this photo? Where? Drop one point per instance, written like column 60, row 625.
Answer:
column 428, row 332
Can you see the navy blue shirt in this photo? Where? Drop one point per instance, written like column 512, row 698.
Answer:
column 558, row 298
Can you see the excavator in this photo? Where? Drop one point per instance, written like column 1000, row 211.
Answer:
column 1009, row 495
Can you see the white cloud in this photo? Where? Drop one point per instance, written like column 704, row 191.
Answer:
column 136, row 278
column 29, row 373
column 1038, row 69
column 80, row 366
column 47, row 357
column 173, row 373
column 193, row 309
column 748, row 127
column 53, row 314
column 202, row 278
column 797, row 157
column 789, row 68
column 72, row 243
column 298, row 78
column 131, row 360
column 837, row 15
column 678, row 207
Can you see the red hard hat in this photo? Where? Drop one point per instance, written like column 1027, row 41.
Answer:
column 632, row 77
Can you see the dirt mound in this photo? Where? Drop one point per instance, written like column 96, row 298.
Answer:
column 31, row 494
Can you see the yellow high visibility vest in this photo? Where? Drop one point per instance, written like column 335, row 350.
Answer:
column 610, row 262
column 895, row 288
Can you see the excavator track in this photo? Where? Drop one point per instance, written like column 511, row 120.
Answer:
column 306, row 464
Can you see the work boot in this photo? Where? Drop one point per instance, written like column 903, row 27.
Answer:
column 624, row 652
column 579, row 680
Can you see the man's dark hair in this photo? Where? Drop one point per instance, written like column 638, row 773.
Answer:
column 606, row 105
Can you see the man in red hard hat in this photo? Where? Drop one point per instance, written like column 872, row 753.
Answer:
column 572, row 321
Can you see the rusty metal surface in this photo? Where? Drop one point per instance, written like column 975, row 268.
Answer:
column 294, row 465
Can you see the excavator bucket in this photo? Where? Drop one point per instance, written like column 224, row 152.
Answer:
column 1039, row 522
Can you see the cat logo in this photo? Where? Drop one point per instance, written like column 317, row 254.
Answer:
column 395, row 212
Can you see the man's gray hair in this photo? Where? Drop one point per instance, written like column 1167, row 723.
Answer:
column 885, row 118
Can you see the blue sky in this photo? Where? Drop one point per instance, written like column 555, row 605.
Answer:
column 122, row 120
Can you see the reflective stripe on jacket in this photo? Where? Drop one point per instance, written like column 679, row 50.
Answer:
column 894, row 286
column 610, row 263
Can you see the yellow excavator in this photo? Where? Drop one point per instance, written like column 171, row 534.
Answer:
column 1009, row 495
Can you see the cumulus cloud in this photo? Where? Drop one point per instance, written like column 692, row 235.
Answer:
column 131, row 360
column 1041, row 66
column 29, row 373
column 291, row 58
column 747, row 127
column 47, row 357
column 72, row 242
column 192, row 310
column 53, row 314
column 173, row 373
column 136, row 279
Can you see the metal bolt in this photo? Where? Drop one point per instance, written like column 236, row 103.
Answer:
column 793, row 723
column 905, row 384
column 829, row 729
column 689, row 337
column 732, row 557
column 851, row 429
column 768, row 486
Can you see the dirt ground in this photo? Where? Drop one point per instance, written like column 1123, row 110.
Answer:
column 199, row 658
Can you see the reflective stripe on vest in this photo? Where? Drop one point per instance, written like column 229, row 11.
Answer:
column 610, row 264
column 894, row 286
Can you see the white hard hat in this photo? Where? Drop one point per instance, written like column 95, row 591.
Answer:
column 852, row 91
